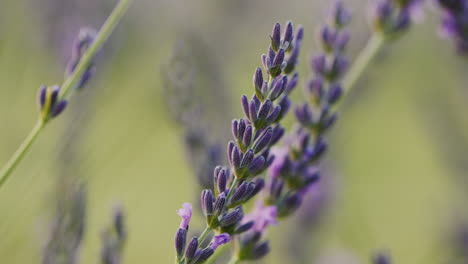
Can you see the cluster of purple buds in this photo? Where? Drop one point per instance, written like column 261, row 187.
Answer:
column 294, row 170
column 50, row 104
column 113, row 240
column 193, row 253
column 81, row 44
column 249, row 152
column 455, row 22
column 392, row 17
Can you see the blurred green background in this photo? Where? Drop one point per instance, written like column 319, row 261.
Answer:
column 398, row 154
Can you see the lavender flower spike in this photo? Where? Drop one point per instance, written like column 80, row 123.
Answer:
column 249, row 150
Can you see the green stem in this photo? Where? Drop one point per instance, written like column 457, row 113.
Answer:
column 66, row 87
column 20, row 152
column 204, row 235
column 363, row 60
column 234, row 260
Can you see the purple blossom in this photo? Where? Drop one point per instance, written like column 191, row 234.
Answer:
column 262, row 216
column 186, row 214
column 219, row 240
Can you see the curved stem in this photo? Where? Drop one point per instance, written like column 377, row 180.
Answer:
column 373, row 45
column 67, row 86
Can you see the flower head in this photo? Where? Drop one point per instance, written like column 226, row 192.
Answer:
column 186, row 214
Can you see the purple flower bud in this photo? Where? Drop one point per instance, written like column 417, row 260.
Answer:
column 54, row 95
column 257, row 164
column 42, row 96
column 236, row 157
column 247, row 159
column 239, row 194
column 278, row 133
column 219, row 203
column 252, row 112
column 244, row 227
column 245, row 105
column 299, row 34
column 315, row 89
column 292, row 83
column 232, row 218
column 278, row 88
column 220, row 240
column 319, row 64
column 290, row 204
column 205, row 254
column 334, row 93
column 276, row 37
column 275, row 68
column 235, row 126
column 304, row 115
column 342, row 41
column 273, row 116
column 327, row 37
column 266, row 61
column 264, row 109
column 180, row 240
column 191, row 249
column 230, row 147
column 259, row 184
column 186, row 214
column 260, row 251
column 285, row 104
column 288, row 34
column 339, row 15
column 258, row 79
column 339, row 66
column 263, row 141
column 247, row 137
column 58, row 108
column 221, row 178
column 207, row 202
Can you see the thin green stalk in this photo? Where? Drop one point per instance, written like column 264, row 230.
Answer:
column 204, row 235
column 20, row 152
column 234, row 260
column 67, row 87
column 373, row 45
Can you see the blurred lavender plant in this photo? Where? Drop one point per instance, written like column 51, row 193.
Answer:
column 393, row 17
column 53, row 100
column 68, row 228
column 454, row 24
column 192, row 81
column 249, row 155
column 113, row 239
